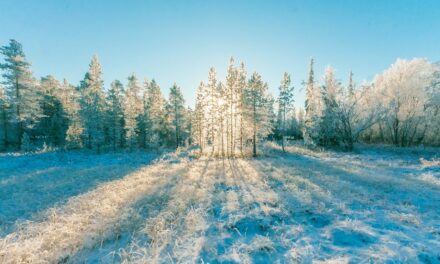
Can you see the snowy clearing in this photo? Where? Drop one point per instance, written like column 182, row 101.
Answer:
column 378, row 204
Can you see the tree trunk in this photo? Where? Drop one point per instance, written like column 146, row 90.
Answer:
column 231, row 134
column 254, row 150
column 19, row 121
column 283, row 127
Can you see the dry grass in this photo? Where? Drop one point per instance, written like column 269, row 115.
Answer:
column 85, row 220
column 176, row 234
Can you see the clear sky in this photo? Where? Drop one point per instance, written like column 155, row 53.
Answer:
column 179, row 40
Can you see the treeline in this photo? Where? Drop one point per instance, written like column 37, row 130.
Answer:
column 37, row 113
column 401, row 106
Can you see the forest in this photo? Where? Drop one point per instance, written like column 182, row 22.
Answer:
column 231, row 117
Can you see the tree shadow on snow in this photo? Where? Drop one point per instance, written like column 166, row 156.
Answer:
column 30, row 184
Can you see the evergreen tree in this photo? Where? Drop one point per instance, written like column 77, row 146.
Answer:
column 200, row 124
column 21, row 89
column 133, row 109
column 4, row 119
column 92, row 106
column 177, row 111
column 285, row 104
column 212, row 115
column 115, row 115
column 231, row 100
column 331, row 94
column 258, row 109
column 70, row 98
column 155, row 104
column 221, row 108
column 144, row 124
column 54, row 122
column 312, row 109
column 241, row 88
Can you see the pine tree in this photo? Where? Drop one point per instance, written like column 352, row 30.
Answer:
column 212, row 98
column 241, row 88
column 312, row 109
column 199, row 131
column 155, row 103
column 177, row 111
column 231, row 100
column 331, row 94
column 54, row 122
column 92, row 104
column 21, row 89
column 221, row 119
column 258, row 109
column 70, row 98
column 144, row 123
column 285, row 104
column 115, row 115
column 133, row 109
column 4, row 119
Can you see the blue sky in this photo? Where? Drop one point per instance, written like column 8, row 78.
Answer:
column 179, row 40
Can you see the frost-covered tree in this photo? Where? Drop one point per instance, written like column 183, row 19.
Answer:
column 92, row 106
column 176, row 112
column 285, row 104
column 224, row 119
column 200, row 123
column 4, row 119
column 211, row 111
column 21, row 89
column 54, row 122
column 70, row 97
column 432, row 137
column 258, row 109
column 221, row 119
column 133, row 109
column 231, row 109
column 115, row 115
column 359, row 109
column 155, row 104
column 331, row 96
column 312, row 108
column 241, row 119
column 404, row 91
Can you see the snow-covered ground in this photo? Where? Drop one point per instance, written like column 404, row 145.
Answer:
column 378, row 204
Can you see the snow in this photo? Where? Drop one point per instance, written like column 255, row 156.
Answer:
column 378, row 204
column 31, row 183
